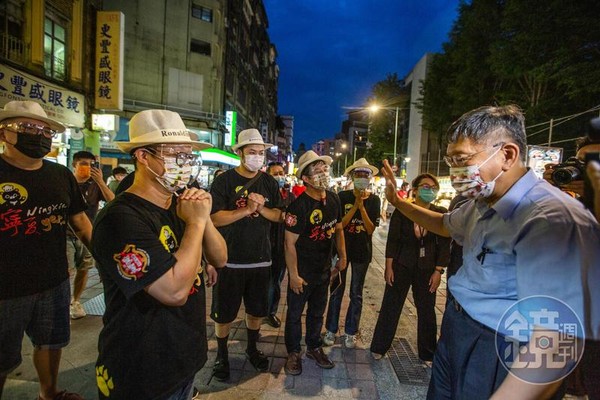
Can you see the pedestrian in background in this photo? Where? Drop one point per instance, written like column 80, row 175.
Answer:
column 91, row 183
column 118, row 174
column 414, row 258
column 278, row 268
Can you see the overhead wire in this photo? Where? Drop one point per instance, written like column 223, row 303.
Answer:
column 560, row 120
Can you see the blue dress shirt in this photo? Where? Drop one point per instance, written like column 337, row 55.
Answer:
column 535, row 240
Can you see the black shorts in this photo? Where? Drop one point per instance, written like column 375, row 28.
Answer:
column 235, row 284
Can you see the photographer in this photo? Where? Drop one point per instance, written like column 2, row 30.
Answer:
column 593, row 172
column 586, row 378
column 569, row 176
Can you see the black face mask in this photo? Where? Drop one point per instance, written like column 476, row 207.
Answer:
column 34, row 146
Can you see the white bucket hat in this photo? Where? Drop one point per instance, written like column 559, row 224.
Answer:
column 361, row 164
column 159, row 127
column 250, row 136
column 308, row 158
column 31, row 110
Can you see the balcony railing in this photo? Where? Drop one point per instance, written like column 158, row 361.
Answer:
column 13, row 48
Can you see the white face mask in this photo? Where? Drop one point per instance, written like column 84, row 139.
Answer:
column 361, row 183
column 468, row 183
column 321, row 180
column 175, row 177
column 253, row 162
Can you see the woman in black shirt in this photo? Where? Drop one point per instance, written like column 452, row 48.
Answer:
column 417, row 258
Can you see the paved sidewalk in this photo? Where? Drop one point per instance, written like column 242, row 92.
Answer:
column 356, row 374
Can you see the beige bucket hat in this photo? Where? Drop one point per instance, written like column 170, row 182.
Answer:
column 31, row 110
column 308, row 158
column 159, row 127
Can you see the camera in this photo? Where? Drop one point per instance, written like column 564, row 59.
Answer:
column 95, row 164
column 571, row 170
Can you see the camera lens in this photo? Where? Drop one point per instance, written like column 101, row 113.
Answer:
column 565, row 175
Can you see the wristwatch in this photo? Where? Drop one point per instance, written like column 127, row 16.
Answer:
column 440, row 270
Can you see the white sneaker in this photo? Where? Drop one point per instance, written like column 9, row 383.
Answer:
column 329, row 338
column 350, row 341
column 377, row 356
column 77, row 310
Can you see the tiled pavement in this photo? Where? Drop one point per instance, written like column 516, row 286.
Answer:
column 356, row 374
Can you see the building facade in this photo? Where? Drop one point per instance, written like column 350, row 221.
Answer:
column 200, row 58
column 44, row 51
column 251, row 74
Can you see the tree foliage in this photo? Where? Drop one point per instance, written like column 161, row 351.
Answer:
column 388, row 94
column 543, row 55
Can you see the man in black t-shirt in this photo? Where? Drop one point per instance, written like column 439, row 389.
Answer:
column 361, row 217
column 245, row 203
column 312, row 222
column 37, row 200
column 92, row 186
column 148, row 243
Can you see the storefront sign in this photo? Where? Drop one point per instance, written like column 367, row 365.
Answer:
column 230, row 125
column 110, row 33
column 63, row 105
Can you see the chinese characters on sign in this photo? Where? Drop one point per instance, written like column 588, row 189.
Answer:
column 60, row 104
column 109, row 60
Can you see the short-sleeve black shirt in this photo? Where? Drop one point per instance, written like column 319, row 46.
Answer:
column 147, row 348
column 35, row 207
column 359, row 246
column 248, row 238
column 314, row 222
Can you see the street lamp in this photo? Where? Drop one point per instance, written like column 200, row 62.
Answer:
column 337, row 159
column 375, row 108
column 344, row 146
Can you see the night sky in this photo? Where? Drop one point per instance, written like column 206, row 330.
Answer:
column 331, row 53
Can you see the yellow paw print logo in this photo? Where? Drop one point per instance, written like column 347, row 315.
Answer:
column 104, row 381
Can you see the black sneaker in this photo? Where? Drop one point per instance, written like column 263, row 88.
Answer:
column 221, row 369
column 273, row 321
column 258, row 361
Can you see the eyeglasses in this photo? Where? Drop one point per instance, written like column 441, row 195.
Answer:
column 426, row 186
column 181, row 158
column 461, row 159
column 29, row 129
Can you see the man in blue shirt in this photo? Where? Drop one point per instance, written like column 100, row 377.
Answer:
column 521, row 237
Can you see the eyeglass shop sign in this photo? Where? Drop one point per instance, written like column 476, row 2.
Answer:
column 60, row 104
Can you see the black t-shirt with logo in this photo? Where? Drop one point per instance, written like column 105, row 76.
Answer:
column 247, row 238
column 314, row 221
column 93, row 195
column 146, row 349
column 35, row 207
column 359, row 247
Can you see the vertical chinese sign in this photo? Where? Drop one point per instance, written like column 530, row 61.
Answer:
column 230, row 125
column 110, row 33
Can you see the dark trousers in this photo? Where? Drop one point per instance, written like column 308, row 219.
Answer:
column 315, row 294
column 466, row 365
column 277, row 274
column 391, row 307
column 357, row 282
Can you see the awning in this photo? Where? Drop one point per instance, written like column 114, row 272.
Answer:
column 220, row 156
